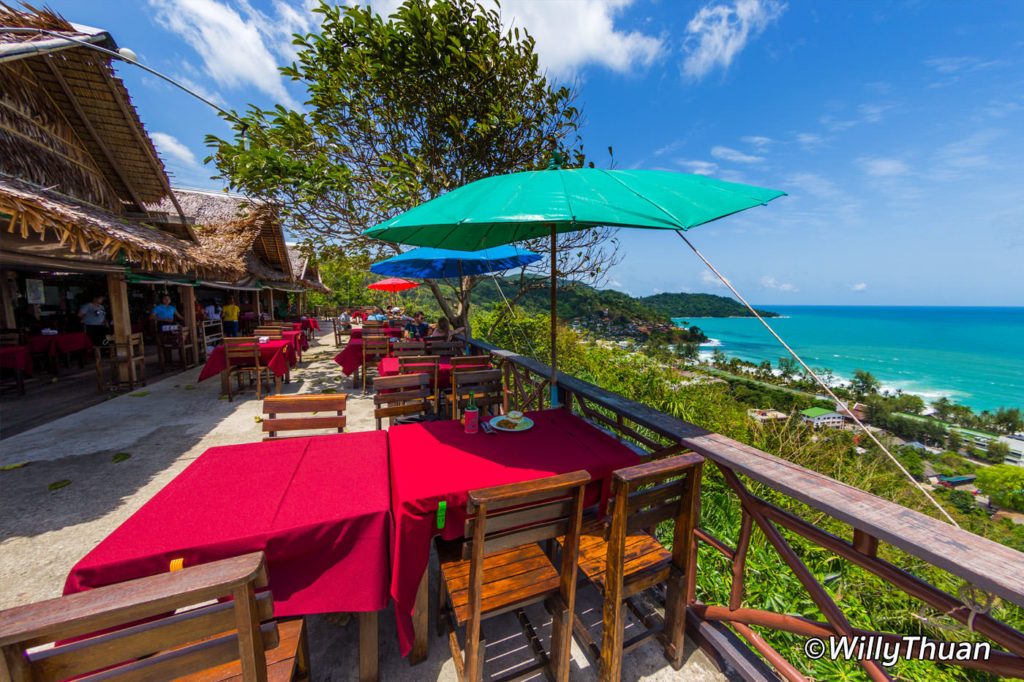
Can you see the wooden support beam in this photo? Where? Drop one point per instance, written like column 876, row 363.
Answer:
column 188, row 302
column 120, row 318
column 6, row 301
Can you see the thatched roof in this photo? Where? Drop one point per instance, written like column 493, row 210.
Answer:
column 240, row 227
column 67, row 122
column 42, row 214
column 306, row 273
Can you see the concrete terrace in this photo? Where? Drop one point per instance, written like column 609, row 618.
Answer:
column 165, row 426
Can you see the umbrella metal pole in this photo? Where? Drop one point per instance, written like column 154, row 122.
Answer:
column 554, row 314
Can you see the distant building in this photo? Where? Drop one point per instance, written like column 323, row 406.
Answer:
column 767, row 415
column 858, row 410
column 1016, row 445
column 819, row 417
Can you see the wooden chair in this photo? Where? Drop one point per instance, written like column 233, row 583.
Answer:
column 407, row 348
column 485, row 386
column 211, row 333
column 243, row 357
column 273, row 333
column 400, row 396
column 429, row 365
column 621, row 558
column 373, row 323
column 444, row 348
column 127, row 362
column 341, row 334
column 143, row 637
column 318, row 404
column 462, row 363
column 500, row 568
column 374, row 349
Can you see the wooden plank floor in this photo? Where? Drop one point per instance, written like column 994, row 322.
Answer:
column 46, row 400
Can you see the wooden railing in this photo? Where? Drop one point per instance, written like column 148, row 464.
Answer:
column 982, row 564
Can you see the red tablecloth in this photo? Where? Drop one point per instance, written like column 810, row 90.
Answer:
column 16, row 357
column 310, row 323
column 358, row 315
column 436, row 461
column 277, row 355
column 351, row 356
column 52, row 344
column 389, row 332
column 318, row 507
column 298, row 339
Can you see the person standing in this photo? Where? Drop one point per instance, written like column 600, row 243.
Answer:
column 166, row 313
column 229, row 315
column 213, row 311
column 94, row 317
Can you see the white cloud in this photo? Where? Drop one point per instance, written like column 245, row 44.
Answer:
column 571, row 35
column 814, row 185
column 170, row 146
column 698, row 167
column 771, row 283
column 709, row 278
column 810, row 141
column 967, row 156
column 236, row 50
column 883, row 167
column 872, row 113
column 717, row 33
column 858, row 287
column 734, row 155
column 759, row 143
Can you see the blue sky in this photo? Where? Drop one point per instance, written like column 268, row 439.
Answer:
column 897, row 128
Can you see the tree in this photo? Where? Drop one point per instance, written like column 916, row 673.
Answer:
column 1009, row 420
column 399, row 111
column 953, row 441
column 1004, row 485
column 996, row 451
column 864, row 383
column 688, row 351
column 942, row 408
column 788, row 367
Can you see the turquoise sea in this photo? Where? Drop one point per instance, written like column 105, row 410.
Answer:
column 974, row 356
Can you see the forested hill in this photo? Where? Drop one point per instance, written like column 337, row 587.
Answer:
column 699, row 305
column 583, row 301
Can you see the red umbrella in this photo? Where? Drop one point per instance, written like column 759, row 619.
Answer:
column 393, row 284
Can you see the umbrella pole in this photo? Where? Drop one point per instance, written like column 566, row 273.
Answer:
column 554, row 328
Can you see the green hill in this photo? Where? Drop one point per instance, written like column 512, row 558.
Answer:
column 699, row 305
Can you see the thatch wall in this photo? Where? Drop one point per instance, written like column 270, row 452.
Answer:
column 39, row 213
column 67, row 122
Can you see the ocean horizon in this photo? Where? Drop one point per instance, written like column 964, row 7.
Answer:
column 971, row 355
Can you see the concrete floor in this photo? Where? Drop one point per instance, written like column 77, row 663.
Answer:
column 166, row 425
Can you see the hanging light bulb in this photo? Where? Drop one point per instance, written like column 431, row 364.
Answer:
column 128, row 55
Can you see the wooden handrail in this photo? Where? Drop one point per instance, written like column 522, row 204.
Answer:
column 987, row 564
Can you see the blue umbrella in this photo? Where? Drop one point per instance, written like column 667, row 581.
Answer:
column 430, row 263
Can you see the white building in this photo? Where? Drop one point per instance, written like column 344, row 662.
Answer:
column 819, row 417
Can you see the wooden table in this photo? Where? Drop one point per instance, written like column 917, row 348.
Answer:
column 278, row 356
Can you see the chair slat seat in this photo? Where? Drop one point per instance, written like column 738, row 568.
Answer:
column 517, row 576
column 644, row 556
column 284, row 662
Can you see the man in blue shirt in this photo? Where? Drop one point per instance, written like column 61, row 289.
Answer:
column 94, row 317
column 165, row 313
column 377, row 314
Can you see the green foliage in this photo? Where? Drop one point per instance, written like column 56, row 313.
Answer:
column 996, row 451
column 1004, row 484
column 699, row 305
column 867, row 600
column 864, row 383
column 398, row 110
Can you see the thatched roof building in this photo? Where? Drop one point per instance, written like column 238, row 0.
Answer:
column 306, row 272
column 234, row 226
column 80, row 179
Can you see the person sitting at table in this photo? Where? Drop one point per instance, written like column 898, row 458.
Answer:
column 229, row 315
column 417, row 328
column 165, row 313
column 345, row 319
column 443, row 330
column 377, row 314
column 94, row 317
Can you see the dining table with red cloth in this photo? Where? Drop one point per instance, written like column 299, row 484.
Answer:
column 310, row 323
column 318, row 507
column 351, row 356
column 437, row 461
column 53, row 344
column 16, row 358
column 298, row 340
column 279, row 356
column 390, row 332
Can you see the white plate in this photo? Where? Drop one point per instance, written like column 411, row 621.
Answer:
column 525, row 424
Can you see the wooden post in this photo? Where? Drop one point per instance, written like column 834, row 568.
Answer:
column 270, row 303
column 554, row 321
column 257, row 308
column 188, row 302
column 6, row 300
column 120, row 318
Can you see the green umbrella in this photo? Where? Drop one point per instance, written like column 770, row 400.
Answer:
column 519, row 206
